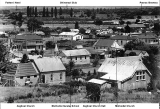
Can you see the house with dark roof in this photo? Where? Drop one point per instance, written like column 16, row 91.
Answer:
column 79, row 56
column 106, row 45
column 26, row 42
column 129, row 72
column 148, row 38
column 137, row 52
column 51, row 69
column 20, row 75
column 26, row 72
column 137, row 26
column 122, row 39
column 8, row 78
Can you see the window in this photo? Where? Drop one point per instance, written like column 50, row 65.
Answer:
column 28, row 76
column 21, row 77
column 85, row 57
column 80, row 57
column 140, row 75
column 60, row 75
column 76, row 58
column 51, row 77
column 35, row 76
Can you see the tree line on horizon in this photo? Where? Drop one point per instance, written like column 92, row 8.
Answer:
column 33, row 12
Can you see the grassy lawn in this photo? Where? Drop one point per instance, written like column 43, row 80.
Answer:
column 106, row 97
column 13, row 91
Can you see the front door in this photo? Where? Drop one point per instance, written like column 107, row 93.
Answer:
column 43, row 78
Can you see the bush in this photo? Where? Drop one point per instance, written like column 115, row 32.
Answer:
column 10, row 100
column 138, row 97
column 93, row 91
column 129, row 91
column 29, row 95
column 22, row 97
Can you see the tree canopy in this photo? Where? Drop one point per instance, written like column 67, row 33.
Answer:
column 76, row 25
column 3, row 52
column 98, row 22
column 33, row 24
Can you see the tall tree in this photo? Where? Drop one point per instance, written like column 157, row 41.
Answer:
column 60, row 11
column 35, row 12
column 127, row 29
column 156, row 28
column 88, row 13
column 33, row 24
column 28, row 11
column 24, row 59
column 76, row 25
column 52, row 12
column 71, row 12
column 3, row 52
column 47, row 13
column 44, row 11
column 55, row 12
column 17, row 19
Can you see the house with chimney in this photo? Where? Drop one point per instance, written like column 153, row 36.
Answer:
column 128, row 72
column 26, row 42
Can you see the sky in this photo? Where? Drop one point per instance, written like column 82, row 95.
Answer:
column 78, row 3
column 75, row 7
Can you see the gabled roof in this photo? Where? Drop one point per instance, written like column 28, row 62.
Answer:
column 75, row 52
column 136, row 25
column 27, row 37
column 26, row 69
column 68, row 33
column 48, row 64
column 146, row 36
column 136, row 51
column 123, row 67
column 97, row 81
column 103, row 43
column 123, row 37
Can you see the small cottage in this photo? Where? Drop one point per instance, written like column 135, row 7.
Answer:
column 79, row 56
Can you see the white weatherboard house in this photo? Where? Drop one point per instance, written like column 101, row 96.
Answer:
column 130, row 72
column 79, row 56
column 70, row 36
column 51, row 70
column 26, row 72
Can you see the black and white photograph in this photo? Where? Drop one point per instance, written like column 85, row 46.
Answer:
column 80, row 54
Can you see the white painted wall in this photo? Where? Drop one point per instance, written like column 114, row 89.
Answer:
column 77, row 61
column 22, row 81
column 56, row 78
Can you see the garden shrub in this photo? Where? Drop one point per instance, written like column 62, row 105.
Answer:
column 29, row 95
column 10, row 100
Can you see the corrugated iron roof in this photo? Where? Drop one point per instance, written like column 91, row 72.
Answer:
column 48, row 64
column 97, row 81
column 76, row 52
column 146, row 36
column 137, row 25
column 104, row 43
column 68, row 33
column 123, row 67
column 123, row 37
column 136, row 51
column 26, row 69
column 27, row 37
